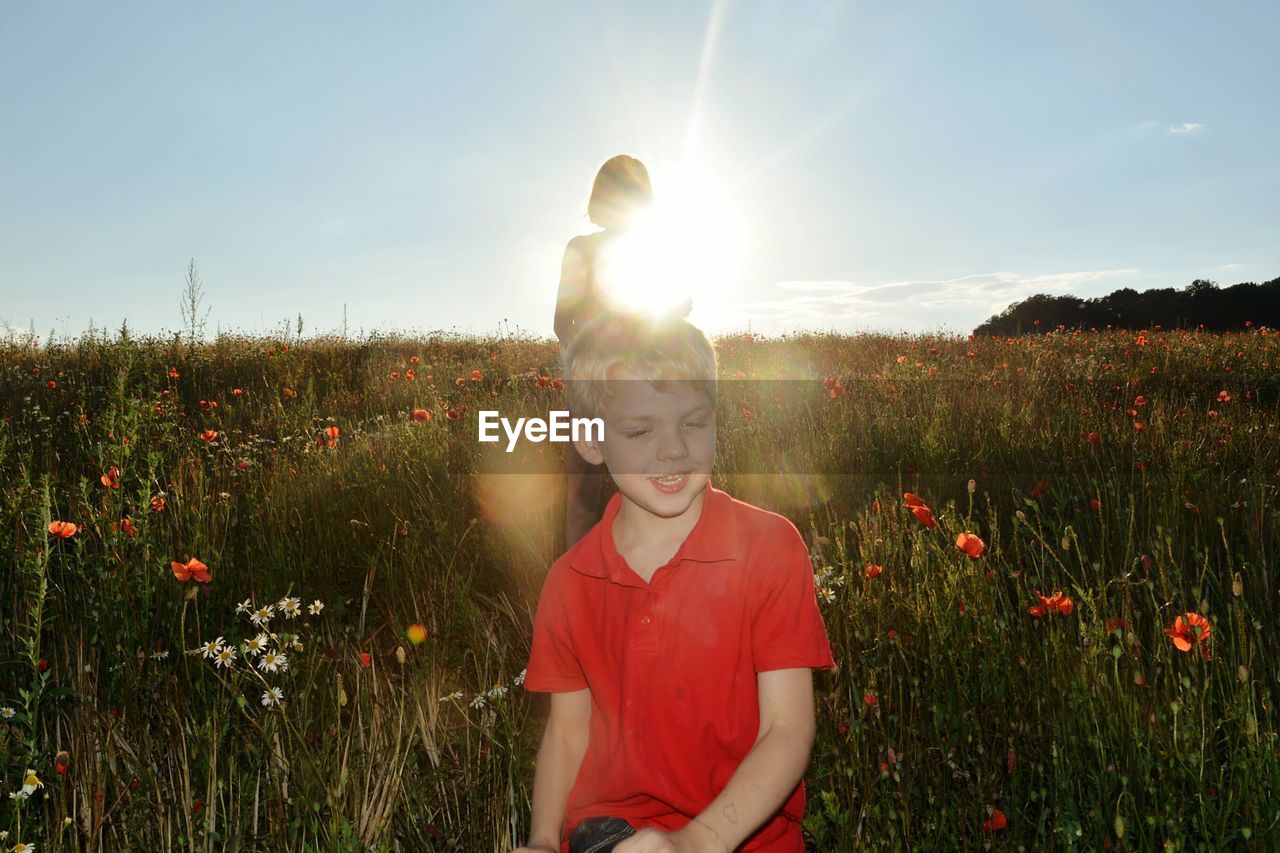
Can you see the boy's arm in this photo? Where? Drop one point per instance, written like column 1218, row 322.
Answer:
column 564, row 742
column 769, row 772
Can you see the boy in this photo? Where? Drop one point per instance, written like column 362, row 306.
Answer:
column 677, row 637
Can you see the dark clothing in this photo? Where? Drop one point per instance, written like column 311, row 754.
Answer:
column 599, row 834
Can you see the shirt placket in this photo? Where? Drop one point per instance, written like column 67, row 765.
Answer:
column 645, row 629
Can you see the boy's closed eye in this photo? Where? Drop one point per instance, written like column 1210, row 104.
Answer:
column 637, row 432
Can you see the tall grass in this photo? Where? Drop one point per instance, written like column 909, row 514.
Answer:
column 951, row 702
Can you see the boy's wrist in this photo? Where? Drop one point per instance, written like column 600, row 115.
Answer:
column 704, row 838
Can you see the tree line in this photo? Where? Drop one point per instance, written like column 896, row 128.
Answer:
column 1201, row 303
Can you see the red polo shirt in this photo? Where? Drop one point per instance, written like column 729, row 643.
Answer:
column 672, row 663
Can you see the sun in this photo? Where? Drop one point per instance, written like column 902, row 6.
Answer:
column 688, row 245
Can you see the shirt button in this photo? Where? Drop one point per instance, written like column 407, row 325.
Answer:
column 644, row 620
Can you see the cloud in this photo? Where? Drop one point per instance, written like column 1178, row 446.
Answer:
column 918, row 304
column 17, row 335
column 1230, row 266
column 1186, row 127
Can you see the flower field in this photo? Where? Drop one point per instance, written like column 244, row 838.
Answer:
column 273, row 593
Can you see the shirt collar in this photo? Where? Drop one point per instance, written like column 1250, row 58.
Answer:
column 713, row 538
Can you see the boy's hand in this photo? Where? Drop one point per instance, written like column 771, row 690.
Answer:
column 656, row 841
column 535, row 847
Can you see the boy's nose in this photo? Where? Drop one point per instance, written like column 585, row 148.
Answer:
column 673, row 446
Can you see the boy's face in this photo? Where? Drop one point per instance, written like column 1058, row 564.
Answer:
column 658, row 445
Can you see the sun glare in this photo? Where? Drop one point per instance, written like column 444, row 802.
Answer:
column 689, row 245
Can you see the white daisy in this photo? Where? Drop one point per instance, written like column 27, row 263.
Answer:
column 7, row 712
column 226, row 656
column 456, row 695
column 245, row 606
column 296, row 645
column 262, row 614
column 498, row 691
column 827, row 594
column 19, row 795
column 290, row 607
column 478, row 701
column 211, row 648
column 519, row 680
column 315, row 607
column 24, row 848
column 159, row 655
column 256, row 645
column 273, row 660
column 272, row 696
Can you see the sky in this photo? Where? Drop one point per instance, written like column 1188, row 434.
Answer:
column 415, row 167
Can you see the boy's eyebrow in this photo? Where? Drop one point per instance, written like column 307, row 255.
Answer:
column 704, row 407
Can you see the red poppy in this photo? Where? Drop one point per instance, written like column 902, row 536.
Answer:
column 422, row 416
column 173, row 373
column 874, row 570
column 237, row 392
column 366, row 660
column 111, row 479
column 51, row 384
column 871, row 700
column 476, row 376
column 126, row 525
column 192, row 569
column 557, row 385
column 158, row 503
column 453, row 415
column 413, row 359
column 1224, row 397
column 459, row 382
column 924, row 516
column 208, row 435
column 996, row 822
column 332, row 432
column 970, row 544
column 1095, row 504
column 911, row 499
column 42, row 665
column 62, row 762
column 1188, row 631
column 410, row 375
column 395, row 374
column 1056, row 603
column 63, row 529
column 1116, row 623
column 1040, row 489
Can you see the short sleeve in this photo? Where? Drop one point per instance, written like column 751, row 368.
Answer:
column 786, row 625
column 553, row 665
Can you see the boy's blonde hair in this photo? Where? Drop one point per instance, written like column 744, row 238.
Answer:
column 659, row 349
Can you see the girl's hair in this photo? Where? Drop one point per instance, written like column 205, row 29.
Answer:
column 660, row 350
column 620, row 190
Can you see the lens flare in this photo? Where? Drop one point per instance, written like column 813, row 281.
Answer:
column 689, row 245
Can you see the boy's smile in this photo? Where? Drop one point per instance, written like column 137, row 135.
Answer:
column 659, row 447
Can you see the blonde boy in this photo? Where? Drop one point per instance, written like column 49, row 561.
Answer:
column 677, row 637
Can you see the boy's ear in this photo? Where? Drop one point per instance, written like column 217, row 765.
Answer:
column 589, row 449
